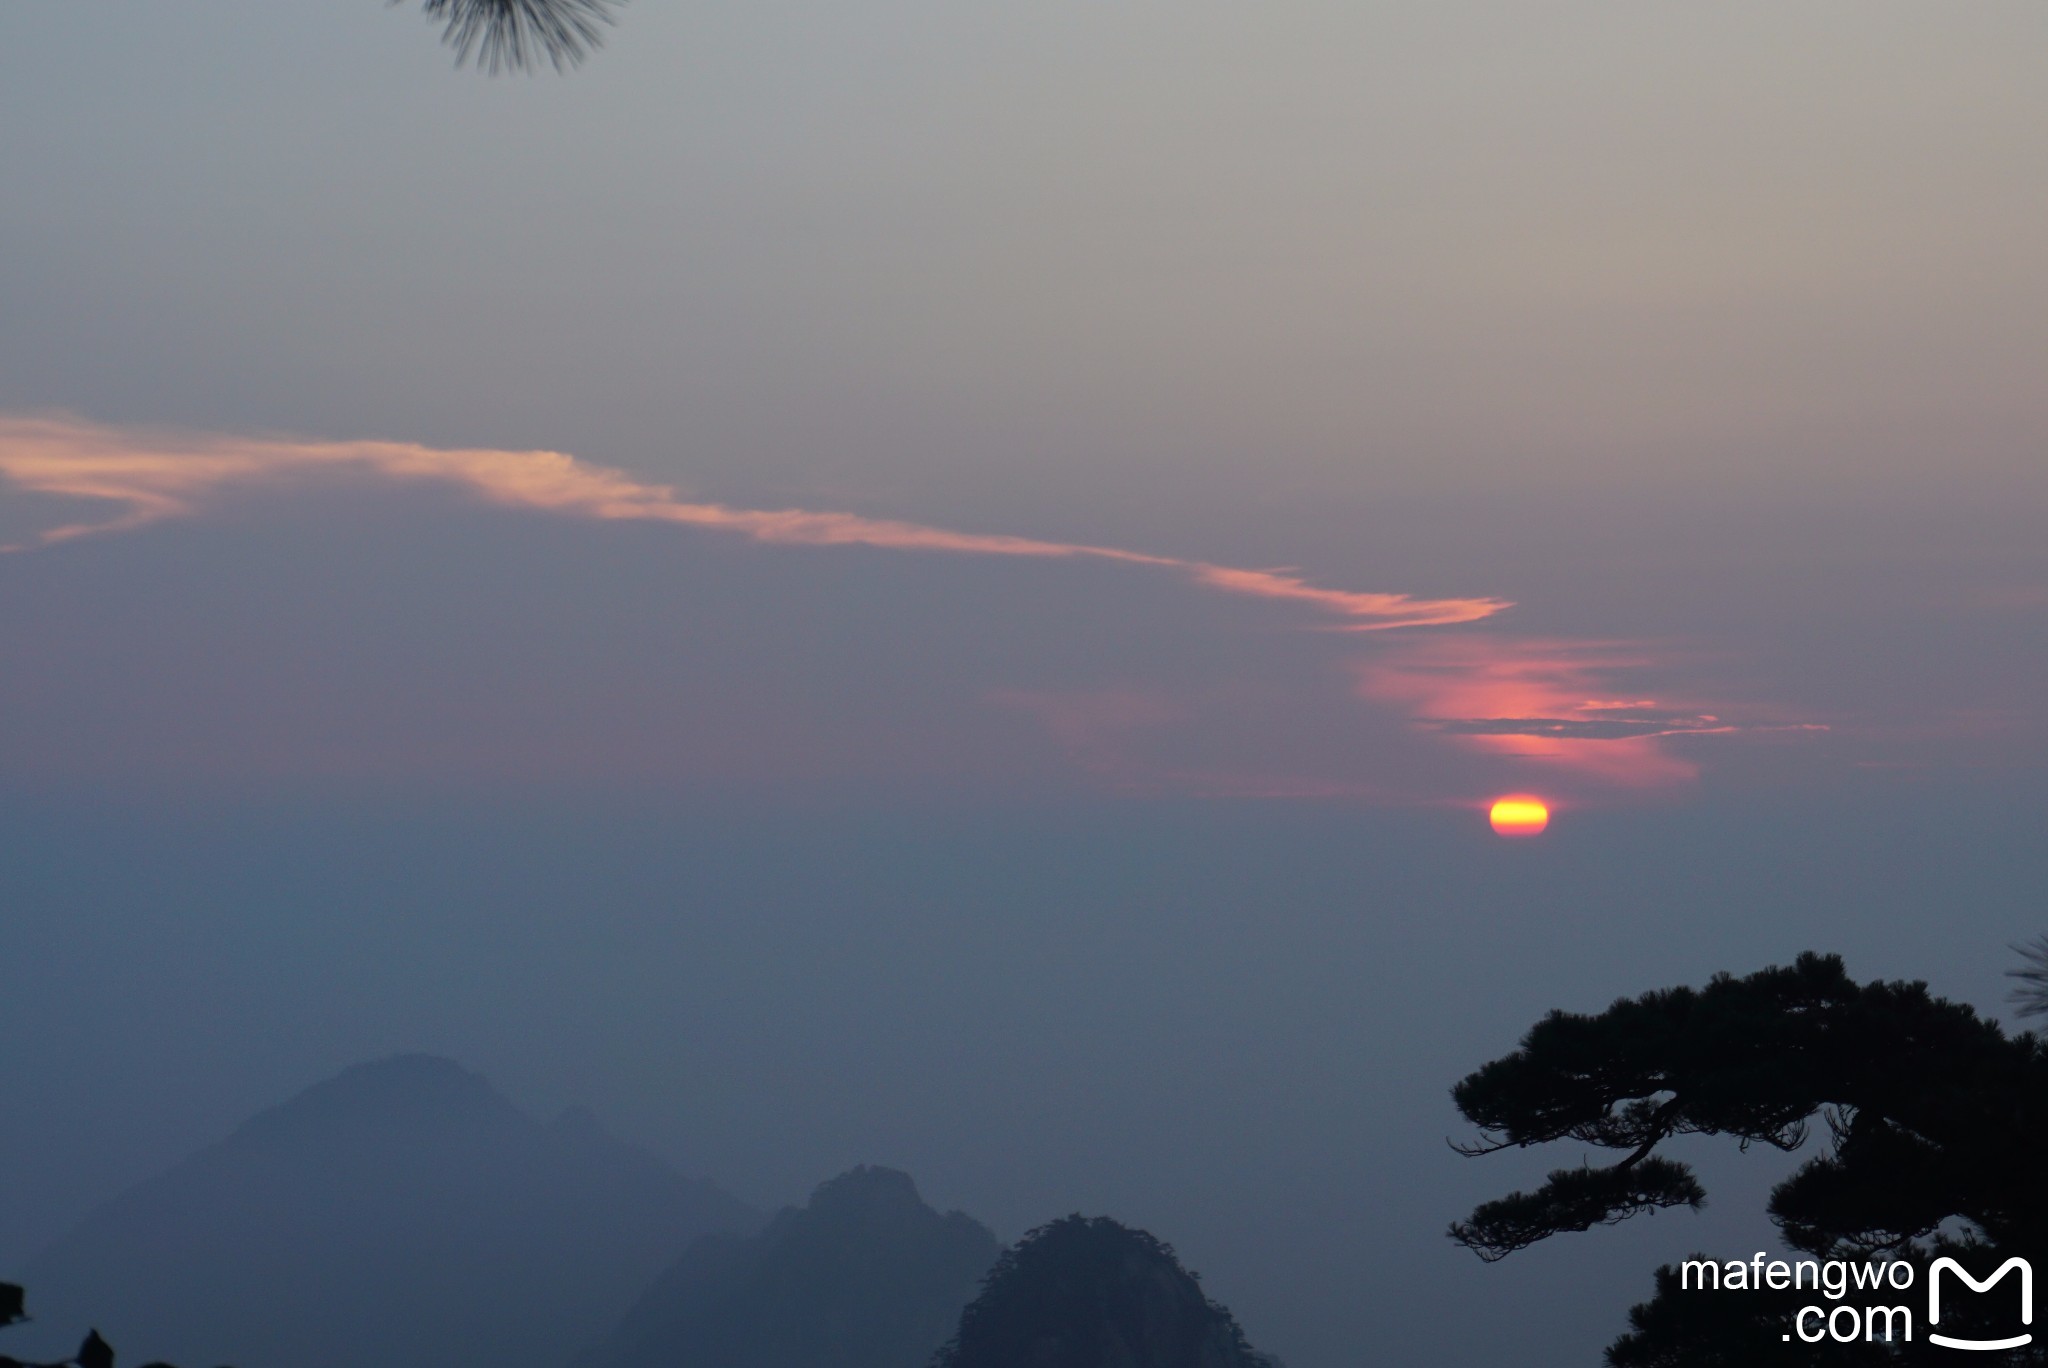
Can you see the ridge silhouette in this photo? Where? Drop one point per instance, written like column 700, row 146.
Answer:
column 865, row 1275
column 402, row 1213
column 1089, row 1292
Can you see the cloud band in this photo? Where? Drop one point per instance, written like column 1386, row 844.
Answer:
column 153, row 475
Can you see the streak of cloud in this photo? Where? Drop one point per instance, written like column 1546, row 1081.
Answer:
column 1536, row 699
column 152, row 475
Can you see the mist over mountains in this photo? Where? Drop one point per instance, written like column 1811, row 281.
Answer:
column 405, row 1214
column 864, row 1276
column 402, row 1214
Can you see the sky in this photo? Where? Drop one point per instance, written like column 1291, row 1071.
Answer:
column 949, row 586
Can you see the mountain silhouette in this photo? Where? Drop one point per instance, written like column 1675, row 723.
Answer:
column 866, row 1276
column 1086, row 1292
column 402, row 1214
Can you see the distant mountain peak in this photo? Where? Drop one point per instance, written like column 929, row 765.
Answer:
column 401, row 1213
column 1089, row 1292
column 867, row 1275
column 402, row 1090
column 866, row 1186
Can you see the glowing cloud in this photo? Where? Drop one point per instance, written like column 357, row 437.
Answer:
column 1541, row 700
column 151, row 475
column 1572, row 705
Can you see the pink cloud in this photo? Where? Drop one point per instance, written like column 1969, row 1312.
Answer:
column 1576, row 707
column 150, row 475
column 1546, row 701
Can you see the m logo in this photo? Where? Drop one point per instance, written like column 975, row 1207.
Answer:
column 2026, row 1301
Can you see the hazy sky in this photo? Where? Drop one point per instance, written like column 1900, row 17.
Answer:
column 944, row 584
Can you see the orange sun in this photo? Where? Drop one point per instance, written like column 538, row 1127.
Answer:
column 1519, row 814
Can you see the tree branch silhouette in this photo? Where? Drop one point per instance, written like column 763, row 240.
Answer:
column 516, row 35
column 1936, row 1120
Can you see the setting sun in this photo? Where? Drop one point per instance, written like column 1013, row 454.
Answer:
column 1519, row 814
